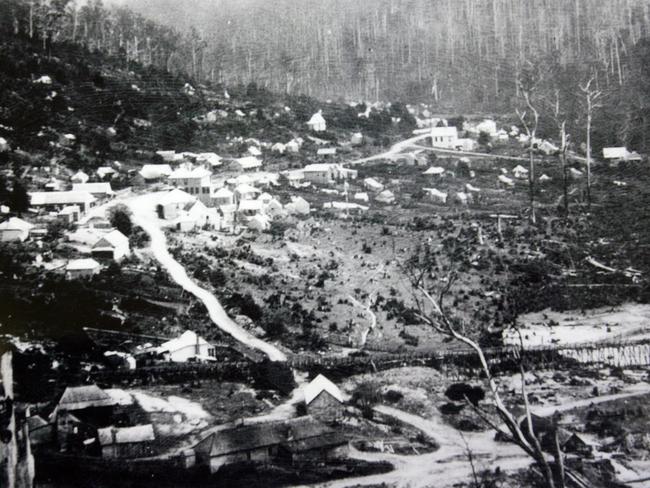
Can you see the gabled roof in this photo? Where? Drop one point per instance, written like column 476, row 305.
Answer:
column 60, row 197
column 320, row 384
column 155, row 171
column 104, row 188
column 176, row 196
column 80, row 397
column 614, row 152
column 82, row 264
column 249, row 162
column 318, row 167
column 244, row 188
column 80, row 175
column 190, row 173
column 254, row 205
column 126, row 435
column 187, row 338
column 316, row 119
column 14, row 223
column 434, row 170
column 113, row 239
column 247, row 437
column 444, row 131
column 223, row 193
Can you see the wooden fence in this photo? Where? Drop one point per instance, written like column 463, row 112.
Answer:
column 452, row 362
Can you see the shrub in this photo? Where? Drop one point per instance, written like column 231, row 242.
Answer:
column 461, row 391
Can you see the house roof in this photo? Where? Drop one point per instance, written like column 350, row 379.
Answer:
column 614, row 152
column 79, row 175
column 386, row 196
column 254, row 436
column 329, row 439
column 435, row 192
column 80, row 397
column 250, row 205
column 60, row 197
column 519, row 169
column 444, row 131
column 318, row 385
column 155, row 171
column 222, row 193
column 245, row 188
column 190, row 173
column 36, row 421
column 82, row 264
column 126, row 435
column 176, row 196
column 318, row 167
column 113, row 239
column 344, row 206
column 69, row 210
column 104, row 188
column 187, row 338
column 316, row 119
column 14, row 223
column 249, row 162
column 434, row 170
column 326, row 151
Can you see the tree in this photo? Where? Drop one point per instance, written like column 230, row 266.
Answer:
column 591, row 97
column 120, row 218
column 527, row 83
column 560, row 121
column 430, row 298
column 19, row 199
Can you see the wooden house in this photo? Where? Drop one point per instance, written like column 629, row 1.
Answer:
column 126, row 442
column 270, row 442
column 323, row 398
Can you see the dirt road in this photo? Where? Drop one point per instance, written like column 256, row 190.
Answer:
column 143, row 209
column 395, row 149
column 449, row 464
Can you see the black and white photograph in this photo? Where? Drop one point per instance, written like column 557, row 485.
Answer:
column 325, row 243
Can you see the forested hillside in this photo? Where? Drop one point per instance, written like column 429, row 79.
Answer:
column 460, row 56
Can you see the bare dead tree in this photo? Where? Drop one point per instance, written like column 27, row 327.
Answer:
column 560, row 120
column 527, row 82
column 430, row 297
column 367, row 307
column 592, row 95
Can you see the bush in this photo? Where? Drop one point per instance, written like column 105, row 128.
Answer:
column 394, row 396
column 460, row 391
column 120, row 218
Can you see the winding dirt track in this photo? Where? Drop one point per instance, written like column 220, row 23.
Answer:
column 143, row 209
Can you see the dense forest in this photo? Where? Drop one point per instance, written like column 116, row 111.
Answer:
column 462, row 56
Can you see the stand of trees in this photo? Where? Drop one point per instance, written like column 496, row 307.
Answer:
column 458, row 55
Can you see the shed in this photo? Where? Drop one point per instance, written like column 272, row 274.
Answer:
column 270, row 442
column 126, row 442
column 98, row 190
column 323, row 398
column 79, row 177
column 386, row 196
column 434, row 171
column 82, row 268
column 113, row 245
column 373, row 185
column 15, row 229
column 247, row 163
column 189, row 345
column 298, row 205
column 436, row 195
column 317, row 122
column 153, row 172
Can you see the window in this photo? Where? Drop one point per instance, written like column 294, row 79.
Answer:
column 211, row 352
